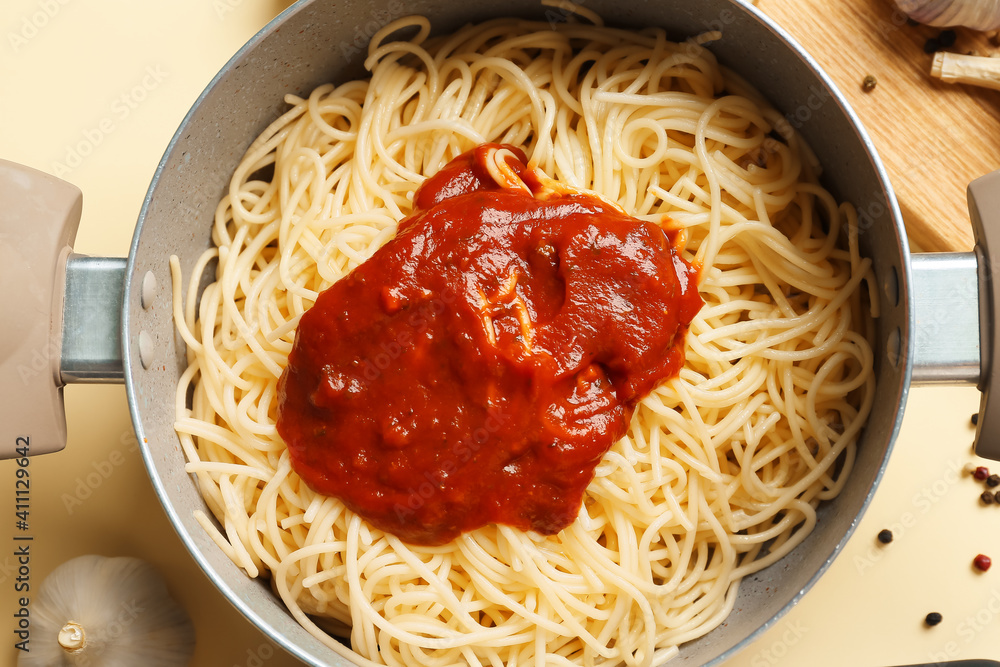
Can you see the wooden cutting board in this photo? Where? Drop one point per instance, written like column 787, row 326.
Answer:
column 933, row 137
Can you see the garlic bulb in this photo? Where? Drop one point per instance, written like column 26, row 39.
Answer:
column 107, row 612
column 975, row 14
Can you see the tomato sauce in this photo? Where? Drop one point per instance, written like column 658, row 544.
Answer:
column 478, row 366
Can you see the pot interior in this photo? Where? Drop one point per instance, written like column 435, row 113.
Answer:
column 321, row 41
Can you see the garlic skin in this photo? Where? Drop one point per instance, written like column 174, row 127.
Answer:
column 108, row 612
column 975, row 70
column 975, row 14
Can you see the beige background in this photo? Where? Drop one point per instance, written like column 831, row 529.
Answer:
column 119, row 75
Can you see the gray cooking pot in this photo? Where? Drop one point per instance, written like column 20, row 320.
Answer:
column 110, row 319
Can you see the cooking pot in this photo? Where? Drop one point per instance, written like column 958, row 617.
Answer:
column 107, row 320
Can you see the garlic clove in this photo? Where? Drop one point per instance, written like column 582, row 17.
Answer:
column 112, row 612
column 975, row 14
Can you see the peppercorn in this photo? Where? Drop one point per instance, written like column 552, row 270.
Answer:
column 981, row 473
column 993, row 480
column 975, row 418
column 987, row 498
column 868, row 83
column 885, row 536
column 944, row 40
column 996, row 496
column 947, row 38
column 982, row 562
column 932, row 618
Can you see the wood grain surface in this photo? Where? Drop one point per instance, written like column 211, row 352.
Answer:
column 934, row 137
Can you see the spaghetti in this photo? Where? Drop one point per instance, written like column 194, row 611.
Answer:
column 722, row 467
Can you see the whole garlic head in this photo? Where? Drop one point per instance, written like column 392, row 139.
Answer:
column 975, row 14
column 112, row 612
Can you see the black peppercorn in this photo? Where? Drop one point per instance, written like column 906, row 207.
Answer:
column 885, row 536
column 993, row 480
column 947, row 38
column 975, row 419
column 996, row 496
column 987, row 498
column 932, row 618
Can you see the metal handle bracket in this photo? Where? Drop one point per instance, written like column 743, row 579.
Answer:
column 92, row 316
column 946, row 316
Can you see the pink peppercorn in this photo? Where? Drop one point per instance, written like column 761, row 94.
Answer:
column 981, row 473
column 982, row 562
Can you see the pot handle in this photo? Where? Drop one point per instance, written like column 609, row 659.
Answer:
column 62, row 312
column 984, row 210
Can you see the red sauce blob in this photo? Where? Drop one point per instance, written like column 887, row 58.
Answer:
column 478, row 366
